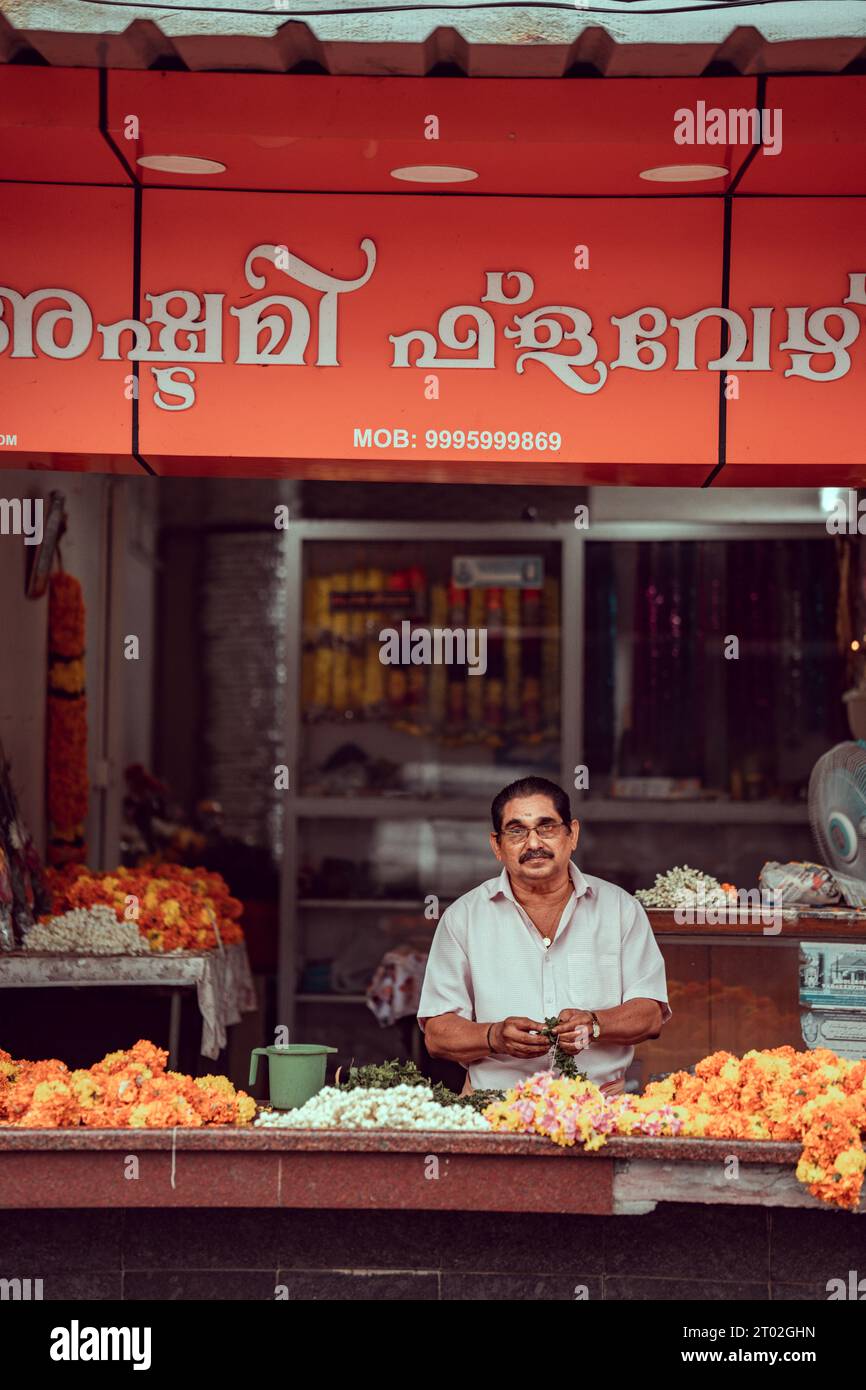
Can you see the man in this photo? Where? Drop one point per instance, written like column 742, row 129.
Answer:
column 540, row 940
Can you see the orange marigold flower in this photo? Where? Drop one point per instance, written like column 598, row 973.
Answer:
column 127, row 1089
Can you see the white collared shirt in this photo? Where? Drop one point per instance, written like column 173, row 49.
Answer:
column 487, row 962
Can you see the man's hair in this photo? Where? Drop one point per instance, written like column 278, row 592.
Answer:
column 530, row 786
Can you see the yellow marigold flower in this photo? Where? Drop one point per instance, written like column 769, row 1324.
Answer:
column 850, row 1162
column 111, row 1057
column 46, row 1089
column 697, row 1124
column 86, row 1088
column 246, row 1108
column 809, row 1172
column 215, row 1083
column 67, row 676
column 662, row 1090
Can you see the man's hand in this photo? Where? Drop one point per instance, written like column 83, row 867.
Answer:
column 514, row 1036
column 574, row 1030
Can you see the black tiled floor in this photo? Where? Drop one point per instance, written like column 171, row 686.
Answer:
column 669, row 1290
column 335, row 1284
column 685, row 1241
column 44, row 1242
column 173, row 1285
column 210, row 1239
column 519, row 1288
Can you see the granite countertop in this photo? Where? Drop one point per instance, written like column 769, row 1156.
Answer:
column 251, row 1139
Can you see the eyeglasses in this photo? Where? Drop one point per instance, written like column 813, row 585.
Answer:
column 518, row 834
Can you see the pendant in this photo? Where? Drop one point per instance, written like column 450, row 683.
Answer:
column 546, row 940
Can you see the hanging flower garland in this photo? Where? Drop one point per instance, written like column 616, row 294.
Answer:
column 66, row 731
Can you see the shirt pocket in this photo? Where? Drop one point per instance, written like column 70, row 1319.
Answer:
column 594, row 980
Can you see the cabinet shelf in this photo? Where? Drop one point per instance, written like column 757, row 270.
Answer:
column 387, row 807
column 330, row 998
column 597, row 809
column 702, row 812
column 369, row 904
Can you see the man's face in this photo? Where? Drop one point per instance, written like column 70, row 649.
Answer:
column 534, row 859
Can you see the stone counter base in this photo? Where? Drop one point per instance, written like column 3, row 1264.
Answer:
column 677, row 1252
column 377, row 1170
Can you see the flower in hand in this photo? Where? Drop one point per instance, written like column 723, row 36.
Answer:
column 572, row 1030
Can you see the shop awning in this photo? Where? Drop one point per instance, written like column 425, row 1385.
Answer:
column 481, row 38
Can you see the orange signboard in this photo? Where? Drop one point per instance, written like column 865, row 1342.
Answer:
column 56, row 396
column 809, row 427
column 425, row 337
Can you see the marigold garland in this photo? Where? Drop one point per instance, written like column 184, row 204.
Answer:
column 66, row 722
column 174, row 907
column 814, row 1098
column 126, row 1090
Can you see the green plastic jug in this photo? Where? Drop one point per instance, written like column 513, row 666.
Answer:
column 296, row 1072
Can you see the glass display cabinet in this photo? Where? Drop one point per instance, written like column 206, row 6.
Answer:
column 427, row 662
column 599, row 657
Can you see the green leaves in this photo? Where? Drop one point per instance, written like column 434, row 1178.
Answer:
column 563, row 1062
column 396, row 1073
column 479, row 1100
column 386, row 1074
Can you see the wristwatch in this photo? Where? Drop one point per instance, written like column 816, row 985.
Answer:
column 596, row 1026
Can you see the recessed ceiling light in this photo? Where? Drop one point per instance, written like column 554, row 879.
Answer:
column 433, row 173
column 180, row 164
column 683, row 173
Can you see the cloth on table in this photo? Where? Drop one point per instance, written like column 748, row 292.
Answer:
column 225, row 990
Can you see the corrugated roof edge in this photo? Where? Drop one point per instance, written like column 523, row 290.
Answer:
column 609, row 38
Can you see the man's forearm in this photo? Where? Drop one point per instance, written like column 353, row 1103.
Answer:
column 631, row 1022
column 456, row 1039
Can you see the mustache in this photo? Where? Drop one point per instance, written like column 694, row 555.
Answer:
column 535, row 854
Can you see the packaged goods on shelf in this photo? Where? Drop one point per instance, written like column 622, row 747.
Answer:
column 797, row 882
column 344, row 677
